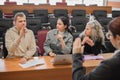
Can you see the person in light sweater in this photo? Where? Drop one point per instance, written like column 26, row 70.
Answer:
column 20, row 41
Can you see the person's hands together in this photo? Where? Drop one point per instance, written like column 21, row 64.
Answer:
column 52, row 54
column 85, row 40
column 88, row 41
column 59, row 37
column 77, row 46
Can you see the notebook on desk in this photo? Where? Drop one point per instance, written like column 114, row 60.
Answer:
column 93, row 57
column 62, row 59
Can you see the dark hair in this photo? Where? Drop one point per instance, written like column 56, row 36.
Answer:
column 114, row 26
column 65, row 21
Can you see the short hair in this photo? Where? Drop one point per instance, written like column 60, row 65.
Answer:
column 19, row 14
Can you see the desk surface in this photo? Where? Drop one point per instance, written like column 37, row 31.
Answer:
column 10, row 70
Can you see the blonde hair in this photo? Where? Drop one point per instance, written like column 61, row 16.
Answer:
column 97, row 33
column 19, row 14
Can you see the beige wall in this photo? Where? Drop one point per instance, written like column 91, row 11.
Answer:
column 114, row 3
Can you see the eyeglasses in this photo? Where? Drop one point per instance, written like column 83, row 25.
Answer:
column 108, row 35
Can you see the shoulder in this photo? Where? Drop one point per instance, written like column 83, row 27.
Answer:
column 52, row 31
column 30, row 31
column 114, row 61
column 10, row 30
column 69, row 34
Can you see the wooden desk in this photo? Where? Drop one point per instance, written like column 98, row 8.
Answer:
column 10, row 70
column 90, row 64
column 89, row 9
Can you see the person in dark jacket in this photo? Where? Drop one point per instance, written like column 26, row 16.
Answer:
column 108, row 69
column 93, row 38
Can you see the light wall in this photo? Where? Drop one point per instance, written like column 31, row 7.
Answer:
column 114, row 3
column 53, row 2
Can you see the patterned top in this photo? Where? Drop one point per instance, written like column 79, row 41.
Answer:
column 54, row 45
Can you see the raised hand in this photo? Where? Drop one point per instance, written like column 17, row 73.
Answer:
column 77, row 46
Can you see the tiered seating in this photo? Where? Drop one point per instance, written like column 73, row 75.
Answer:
column 78, row 20
column 43, row 15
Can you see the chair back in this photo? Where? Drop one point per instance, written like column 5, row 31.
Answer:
column 104, row 22
column 79, row 23
column 1, row 14
column 41, row 39
column 10, row 3
column 53, row 22
column 61, row 3
column 60, row 12
column 5, row 52
column 100, row 13
column 34, row 24
column 115, row 13
column 78, row 13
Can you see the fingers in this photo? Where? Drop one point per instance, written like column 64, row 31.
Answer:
column 52, row 54
column 82, row 49
column 24, row 29
column 77, row 42
column 59, row 36
column 23, row 61
column 77, row 46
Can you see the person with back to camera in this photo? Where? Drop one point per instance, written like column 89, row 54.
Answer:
column 108, row 69
column 93, row 38
column 20, row 41
column 60, row 40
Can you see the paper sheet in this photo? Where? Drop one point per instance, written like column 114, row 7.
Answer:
column 32, row 62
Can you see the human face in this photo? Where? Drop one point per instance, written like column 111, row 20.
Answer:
column 115, row 41
column 88, row 30
column 60, row 26
column 20, row 22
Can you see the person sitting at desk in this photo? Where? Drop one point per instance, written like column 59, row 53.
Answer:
column 60, row 40
column 108, row 69
column 93, row 38
column 20, row 41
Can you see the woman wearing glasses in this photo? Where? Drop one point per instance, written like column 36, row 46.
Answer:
column 108, row 69
column 93, row 38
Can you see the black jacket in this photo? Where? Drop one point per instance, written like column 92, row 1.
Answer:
column 96, row 49
column 107, row 70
